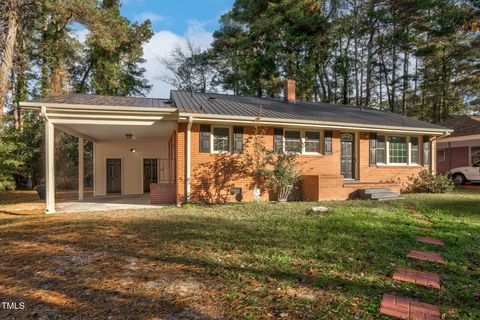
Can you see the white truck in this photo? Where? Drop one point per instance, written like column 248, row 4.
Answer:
column 466, row 174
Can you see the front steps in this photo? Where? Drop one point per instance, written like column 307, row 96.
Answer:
column 380, row 194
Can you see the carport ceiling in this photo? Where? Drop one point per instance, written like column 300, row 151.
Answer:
column 115, row 132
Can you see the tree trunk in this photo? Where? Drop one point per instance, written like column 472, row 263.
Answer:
column 414, row 100
column 371, row 34
column 13, row 11
column 368, row 84
column 405, row 83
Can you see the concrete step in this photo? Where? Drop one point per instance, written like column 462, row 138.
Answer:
column 376, row 190
column 379, row 194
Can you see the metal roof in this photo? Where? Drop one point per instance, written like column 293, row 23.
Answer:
column 230, row 105
column 99, row 100
column 242, row 106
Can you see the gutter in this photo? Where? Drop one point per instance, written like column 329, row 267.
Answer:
column 312, row 123
column 188, row 156
column 38, row 105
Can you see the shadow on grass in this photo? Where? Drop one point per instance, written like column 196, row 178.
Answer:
column 279, row 247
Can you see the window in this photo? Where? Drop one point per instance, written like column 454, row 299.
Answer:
column 475, row 154
column 205, row 138
column 397, row 149
column 426, row 150
column 312, row 142
column 221, row 139
column 328, row 142
column 414, row 150
column 381, row 150
column 278, row 140
column 293, row 142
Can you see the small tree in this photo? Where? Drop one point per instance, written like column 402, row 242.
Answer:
column 276, row 171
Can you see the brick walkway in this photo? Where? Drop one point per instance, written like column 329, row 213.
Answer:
column 423, row 221
column 405, row 308
column 426, row 256
column 428, row 240
column 427, row 229
column 418, row 277
column 418, row 215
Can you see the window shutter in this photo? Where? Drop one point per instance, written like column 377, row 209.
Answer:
column 426, row 150
column 237, row 139
column 205, row 132
column 328, row 142
column 373, row 149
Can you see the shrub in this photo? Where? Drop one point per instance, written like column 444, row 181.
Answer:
column 426, row 182
column 7, row 184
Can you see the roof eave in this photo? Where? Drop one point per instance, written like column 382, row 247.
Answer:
column 326, row 124
column 38, row 105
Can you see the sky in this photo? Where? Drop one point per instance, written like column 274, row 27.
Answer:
column 173, row 21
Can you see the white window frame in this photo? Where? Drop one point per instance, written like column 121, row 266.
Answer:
column 285, row 141
column 303, row 140
column 212, row 139
column 409, row 150
column 470, row 158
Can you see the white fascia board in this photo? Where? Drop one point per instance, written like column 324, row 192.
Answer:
column 183, row 117
column 38, row 105
column 460, row 138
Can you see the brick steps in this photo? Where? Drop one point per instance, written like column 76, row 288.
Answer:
column 425, row 279
column 429, row 240
column 418, row 215
column 405, row 308
column 426, row 256
column 423, row 221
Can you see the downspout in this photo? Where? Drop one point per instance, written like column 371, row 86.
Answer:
column 188, row 161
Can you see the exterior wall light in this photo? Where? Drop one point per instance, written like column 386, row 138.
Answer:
column 133, row 150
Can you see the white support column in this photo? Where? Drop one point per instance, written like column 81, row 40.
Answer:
column 81, row 170
column 187, row 160
column 50, row 165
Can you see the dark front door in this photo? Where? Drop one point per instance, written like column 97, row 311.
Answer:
column 114, row 176
column 347, row 157
column 150, row 173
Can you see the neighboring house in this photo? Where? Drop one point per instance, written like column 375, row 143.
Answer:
column 178, row 146
column 462, row 147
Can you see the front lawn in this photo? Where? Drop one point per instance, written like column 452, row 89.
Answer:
column 247, row 261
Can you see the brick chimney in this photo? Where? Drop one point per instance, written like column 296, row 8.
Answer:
column 289, row 91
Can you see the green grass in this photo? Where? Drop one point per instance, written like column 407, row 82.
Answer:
column 253, row 260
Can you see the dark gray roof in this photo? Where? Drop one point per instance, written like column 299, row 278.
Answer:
column 99, row 100
column 230, row 105
column 463, row 125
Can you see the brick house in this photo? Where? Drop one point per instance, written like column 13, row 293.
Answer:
column 189, row 148
column 462, row 147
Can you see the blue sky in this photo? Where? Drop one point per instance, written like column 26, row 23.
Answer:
column 173, row 21
column 176, row 15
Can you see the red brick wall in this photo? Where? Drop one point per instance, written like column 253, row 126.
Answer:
column 213, row 175
column 162, row 193
column 459, row 158
column 384, row 174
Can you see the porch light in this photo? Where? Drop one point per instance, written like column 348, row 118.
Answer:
column 133, row 150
